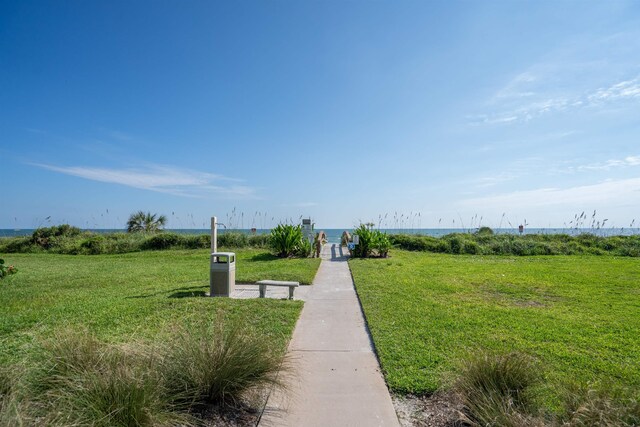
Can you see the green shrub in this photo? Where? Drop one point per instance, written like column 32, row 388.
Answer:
column 371, row 242
column 46, row 237
column 287, row 240
column 201, row 241
column 94, row 245
column 364, row 248
column 233, row 240
column 484, row 231
column 259, row 240
column 530, row 244
column 305, row 249
column 161, row 241
column 381, row 243
column 471, row 247
column 16, row 245
column 455, row 244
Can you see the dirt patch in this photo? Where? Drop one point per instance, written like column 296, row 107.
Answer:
column 231, row 417
column 437, row 410
column 245, row 413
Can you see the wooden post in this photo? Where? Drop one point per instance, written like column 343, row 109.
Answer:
column 214, row 234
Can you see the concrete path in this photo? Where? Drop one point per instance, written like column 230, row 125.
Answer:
column 335, row 379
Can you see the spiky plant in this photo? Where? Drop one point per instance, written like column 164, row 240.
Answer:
column 287, row 240
column 145, row 222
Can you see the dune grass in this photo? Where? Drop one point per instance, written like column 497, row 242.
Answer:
column 577, row 316
column 127, row 296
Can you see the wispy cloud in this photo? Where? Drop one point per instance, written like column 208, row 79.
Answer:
column 540, row 102
column 608, row 165
column 606, row 192
column 627, row 89
column 162, row 179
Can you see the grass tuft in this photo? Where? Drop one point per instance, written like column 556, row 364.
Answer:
column 218, row 364
column 81, row 381
column 495, row 389
column 77, row 380
column 610, row 407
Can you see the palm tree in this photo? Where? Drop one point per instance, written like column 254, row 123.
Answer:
column 147, row 222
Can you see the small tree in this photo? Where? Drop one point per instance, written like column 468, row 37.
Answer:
column 145, row 222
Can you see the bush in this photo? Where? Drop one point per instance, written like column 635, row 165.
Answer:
column 455, row 244
column 484, row 231
column 259, row 241
column 93, row 245
column 47, row 236
column 484, row 242
column 381, row 243
column 233, row 240
column 305, row 250
column 11, row 245
column 201, row 241
column 370, row 242
column 287, row 240
column 161, row 241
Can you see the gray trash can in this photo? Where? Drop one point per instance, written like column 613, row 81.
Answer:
column 222, row 280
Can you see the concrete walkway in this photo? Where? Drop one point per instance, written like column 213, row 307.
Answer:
column 335, row 379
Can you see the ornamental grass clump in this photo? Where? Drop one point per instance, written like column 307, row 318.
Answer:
column 592, row 406
column 495, row 389
column 217, row 364
column 78, row 380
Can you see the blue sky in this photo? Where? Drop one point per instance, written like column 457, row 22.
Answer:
column 344, row 111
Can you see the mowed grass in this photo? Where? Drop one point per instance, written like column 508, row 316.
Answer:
column 579, row 316
column 121, row 298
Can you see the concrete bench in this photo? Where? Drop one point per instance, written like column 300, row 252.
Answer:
column 264, row 283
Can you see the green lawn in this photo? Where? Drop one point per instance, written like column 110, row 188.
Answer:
column 578, row 315
column 135, row 295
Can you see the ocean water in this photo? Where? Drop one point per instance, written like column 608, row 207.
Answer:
column 334, row 234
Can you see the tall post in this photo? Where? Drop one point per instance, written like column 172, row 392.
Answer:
column 214, row 234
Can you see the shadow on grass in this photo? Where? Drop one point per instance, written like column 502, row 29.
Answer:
column 264, row 257
column 187, row 294
column 183, row 292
